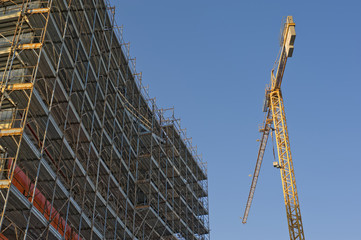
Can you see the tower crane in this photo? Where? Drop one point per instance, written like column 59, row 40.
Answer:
column 275, row 121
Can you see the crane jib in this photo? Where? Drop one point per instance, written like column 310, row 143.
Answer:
column 262, row 147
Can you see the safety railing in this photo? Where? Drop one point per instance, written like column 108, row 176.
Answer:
column 12, row 118
column 6, row 167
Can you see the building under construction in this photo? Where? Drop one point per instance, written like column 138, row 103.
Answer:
column 84, row 152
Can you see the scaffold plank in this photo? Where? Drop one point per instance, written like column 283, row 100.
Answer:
column 4, row 183
column 10, row 132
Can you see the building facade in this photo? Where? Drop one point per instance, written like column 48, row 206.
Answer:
column 84, row 152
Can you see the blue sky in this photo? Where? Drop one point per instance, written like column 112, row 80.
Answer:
column 211, row 61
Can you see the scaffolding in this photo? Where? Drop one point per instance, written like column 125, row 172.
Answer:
column 85, row 153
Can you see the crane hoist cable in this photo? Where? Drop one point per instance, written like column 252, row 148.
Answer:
column 276, row 122
column 273, row 145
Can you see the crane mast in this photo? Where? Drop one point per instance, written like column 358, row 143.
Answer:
column 275, row 116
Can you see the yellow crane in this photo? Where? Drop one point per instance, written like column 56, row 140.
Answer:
column 275, row 120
